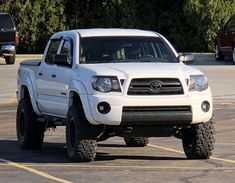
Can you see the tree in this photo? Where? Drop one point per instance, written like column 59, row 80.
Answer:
column 191, row 25
column 36, row 21
column 92, row 13
column 203, row 18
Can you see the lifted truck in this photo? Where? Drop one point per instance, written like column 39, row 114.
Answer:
column 101, row 83
column 8, row 38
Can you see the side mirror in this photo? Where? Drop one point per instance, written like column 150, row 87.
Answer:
column 61, row 59
column 186, row 58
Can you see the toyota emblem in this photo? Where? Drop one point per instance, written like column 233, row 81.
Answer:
column 156, row 86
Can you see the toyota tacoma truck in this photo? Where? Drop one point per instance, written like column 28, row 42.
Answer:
column 101, row 83
column 8, row 38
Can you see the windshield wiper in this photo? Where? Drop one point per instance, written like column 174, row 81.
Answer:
column 124, row 60
column 150, row 59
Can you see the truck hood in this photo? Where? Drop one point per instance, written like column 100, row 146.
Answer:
column 137, row 70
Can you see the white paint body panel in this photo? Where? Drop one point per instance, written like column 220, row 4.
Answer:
column 50, row 96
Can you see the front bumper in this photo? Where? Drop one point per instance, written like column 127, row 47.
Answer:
column 164, row 115
column 7, row 50
column 169, row 109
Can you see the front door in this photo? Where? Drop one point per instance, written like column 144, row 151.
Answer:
column 64, row 74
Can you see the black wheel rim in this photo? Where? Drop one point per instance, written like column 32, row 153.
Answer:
column 22, row 123
column 72, row 133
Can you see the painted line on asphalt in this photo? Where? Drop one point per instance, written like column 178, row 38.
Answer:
column 9, row 99
column 222, row 159
column 137, row 167
column 7, row 111
column 13, row 97
column 166, row 148
column 34, row 171
column 181, row 152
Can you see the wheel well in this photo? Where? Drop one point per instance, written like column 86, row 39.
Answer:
column 74, row 98
column 24, row 92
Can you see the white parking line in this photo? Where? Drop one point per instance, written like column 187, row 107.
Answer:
column 181, row 152
column 7, row 111
column 37, row 172
column 128, row 167
column 13, row 97
column 166, row 148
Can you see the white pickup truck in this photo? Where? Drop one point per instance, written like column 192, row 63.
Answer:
column 101, row 83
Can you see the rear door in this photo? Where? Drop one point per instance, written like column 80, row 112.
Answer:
column 227, row 36
column 7, row 29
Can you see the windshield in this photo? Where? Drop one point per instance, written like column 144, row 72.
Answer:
column 6, row 22
column 125, row 49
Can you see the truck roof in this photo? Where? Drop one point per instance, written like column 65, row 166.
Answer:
column 110, row 32
column 113, row 32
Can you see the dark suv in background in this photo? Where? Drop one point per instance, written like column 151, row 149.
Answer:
column 8, row 38
column 225, row 41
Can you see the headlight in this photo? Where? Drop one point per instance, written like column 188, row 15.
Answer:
column 198, row 83
column 105, row 84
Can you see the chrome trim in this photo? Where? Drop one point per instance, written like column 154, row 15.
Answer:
column 8, row 50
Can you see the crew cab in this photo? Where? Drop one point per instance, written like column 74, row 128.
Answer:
column 9, row 38
column 101, row 83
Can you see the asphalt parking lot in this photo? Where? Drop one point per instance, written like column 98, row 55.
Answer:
column 162, row 160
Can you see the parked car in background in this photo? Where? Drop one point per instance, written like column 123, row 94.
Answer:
column 225, row 40
column 8, row 38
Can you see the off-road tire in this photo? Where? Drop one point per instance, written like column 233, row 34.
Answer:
column 80, row 136
column 30, row 132
column 198, row 140
column 10, row 60
column 218, row 55
column 136, row 141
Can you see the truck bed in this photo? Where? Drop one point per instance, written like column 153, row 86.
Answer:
column 31, row 62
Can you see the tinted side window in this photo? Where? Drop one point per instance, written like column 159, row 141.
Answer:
column 6, row 22
column 52, row 51
column 67, row 50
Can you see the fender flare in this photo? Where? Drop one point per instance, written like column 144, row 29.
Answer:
column 28, row 81
column 79, row 88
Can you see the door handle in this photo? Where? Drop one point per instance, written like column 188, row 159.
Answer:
column 40, row 74
column 63, row 93
column 53, row 75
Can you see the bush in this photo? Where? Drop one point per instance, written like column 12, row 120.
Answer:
column 36, row 21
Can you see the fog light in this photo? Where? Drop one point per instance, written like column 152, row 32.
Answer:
column 103, row 107
column 205, row 106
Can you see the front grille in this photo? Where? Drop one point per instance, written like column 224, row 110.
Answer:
column 155, row 86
